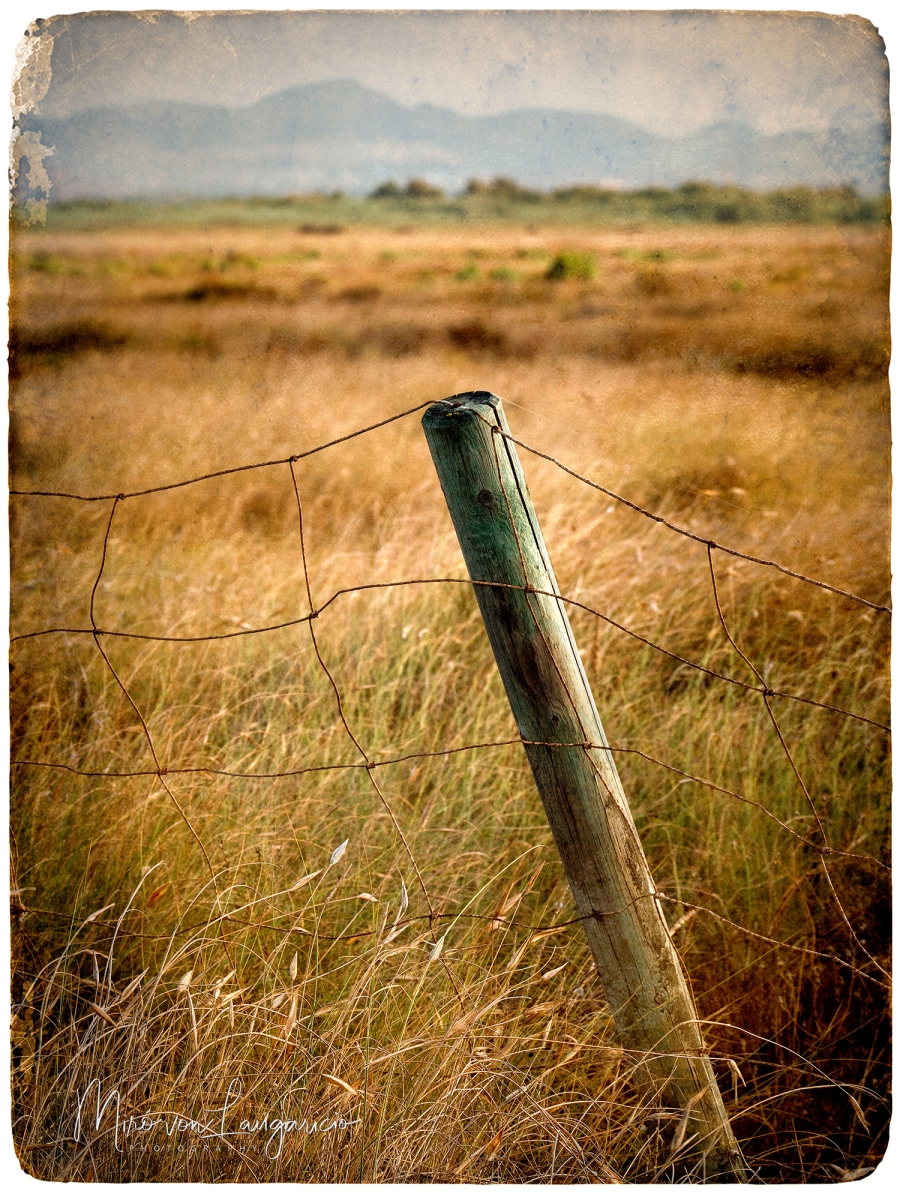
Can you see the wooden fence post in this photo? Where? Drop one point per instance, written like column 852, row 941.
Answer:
column 588, row 813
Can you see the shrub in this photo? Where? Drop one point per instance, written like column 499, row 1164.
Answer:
column 572, row 264
column 503, row 188
column 386, row 191
column 418, row 189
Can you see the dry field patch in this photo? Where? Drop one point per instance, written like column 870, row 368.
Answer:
column 734, row 382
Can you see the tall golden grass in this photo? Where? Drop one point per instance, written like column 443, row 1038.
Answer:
column 197, row 942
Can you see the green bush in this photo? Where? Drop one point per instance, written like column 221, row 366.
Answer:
column 572, row 264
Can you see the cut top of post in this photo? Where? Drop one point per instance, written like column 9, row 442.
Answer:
column 505, row 508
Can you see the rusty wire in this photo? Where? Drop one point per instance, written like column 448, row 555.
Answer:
column 370, row 765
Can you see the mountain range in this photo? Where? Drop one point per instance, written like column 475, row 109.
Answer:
column 340, row 135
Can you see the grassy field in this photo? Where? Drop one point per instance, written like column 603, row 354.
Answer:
column 175, row 933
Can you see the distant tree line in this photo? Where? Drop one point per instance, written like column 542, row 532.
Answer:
column 692, row 201
column 501, row 199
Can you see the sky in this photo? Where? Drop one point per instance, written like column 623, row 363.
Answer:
column 671, row 72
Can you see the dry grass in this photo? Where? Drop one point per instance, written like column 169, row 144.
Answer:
column 750, row 300
column 732, row 380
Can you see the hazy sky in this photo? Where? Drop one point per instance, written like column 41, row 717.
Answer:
column 669, row 71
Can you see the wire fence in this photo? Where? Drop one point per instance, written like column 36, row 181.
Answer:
column 371, row 764
column 361, row 759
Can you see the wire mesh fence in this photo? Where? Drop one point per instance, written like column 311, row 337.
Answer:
column 102, row 1065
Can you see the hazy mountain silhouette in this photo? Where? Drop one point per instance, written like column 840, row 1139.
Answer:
column 341, row 135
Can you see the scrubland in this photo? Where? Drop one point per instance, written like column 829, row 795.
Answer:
column 427, row 997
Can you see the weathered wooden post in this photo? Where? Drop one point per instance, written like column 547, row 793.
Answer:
column 551, row 700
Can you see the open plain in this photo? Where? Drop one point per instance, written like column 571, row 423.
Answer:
column 423, row 995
